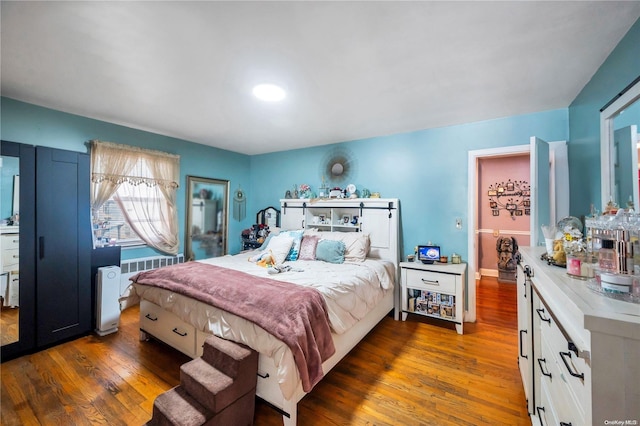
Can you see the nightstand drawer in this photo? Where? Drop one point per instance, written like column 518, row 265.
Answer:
column 10, row 242
column 10, row 259
column 431, row 281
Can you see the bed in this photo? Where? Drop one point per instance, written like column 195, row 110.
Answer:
column 356, row 293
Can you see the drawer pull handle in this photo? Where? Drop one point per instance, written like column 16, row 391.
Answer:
column 263, row 375
column 540, row 311
column 148, row 316
column 15, row 241
column 16, row 279
column 565, row 424
column 540, row 361
column 566, row 364
column 538, row 409
column 16, row 256
column 175, row 330
column 426, row 281
column 521, row 354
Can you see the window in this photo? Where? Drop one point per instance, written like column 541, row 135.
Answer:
column 133, row 195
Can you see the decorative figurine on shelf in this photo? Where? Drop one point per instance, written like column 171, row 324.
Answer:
column 295, row 191
column 611, row 208
column 305, row 191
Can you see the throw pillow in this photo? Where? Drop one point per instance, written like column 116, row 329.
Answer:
column 280, row 246
column 308, row 247
column 330, row 251
column 297, row 239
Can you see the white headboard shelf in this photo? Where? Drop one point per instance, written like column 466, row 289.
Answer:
column 378, row 217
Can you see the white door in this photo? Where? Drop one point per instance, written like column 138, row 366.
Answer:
column 540, row 200
column 625, row 158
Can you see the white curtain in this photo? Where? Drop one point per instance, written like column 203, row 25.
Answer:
column 143, row 183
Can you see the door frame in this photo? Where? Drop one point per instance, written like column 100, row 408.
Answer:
column 472, row 215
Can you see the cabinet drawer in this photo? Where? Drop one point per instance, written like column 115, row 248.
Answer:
column 566, row 405
column 167, row 327
column 10, row 242
column 567, row 360
column 10, row 259
column 432, row 281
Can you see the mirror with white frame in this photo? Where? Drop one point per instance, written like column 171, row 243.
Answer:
column 207, row 216
column 619, row 160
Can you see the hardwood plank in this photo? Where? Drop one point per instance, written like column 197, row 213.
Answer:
column 418, row 372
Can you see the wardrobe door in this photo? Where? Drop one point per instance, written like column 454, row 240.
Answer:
column 63, row 230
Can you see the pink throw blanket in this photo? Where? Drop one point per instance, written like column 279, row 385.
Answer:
column 294, row 314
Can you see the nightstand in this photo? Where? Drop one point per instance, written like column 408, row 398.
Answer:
column 433, row 290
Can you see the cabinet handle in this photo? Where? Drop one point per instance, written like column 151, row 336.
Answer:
column 538, row 409
column 175, row 330
column 521, row 354
column 540, row 361
column 148, row 316
column 566, row 364
column 426, row 281
column 15, row 241
column 540, row 311
column 16, row 256
column 565, row 424
column 263, row 375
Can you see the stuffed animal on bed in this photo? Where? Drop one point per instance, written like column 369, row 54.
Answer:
column 264, row 259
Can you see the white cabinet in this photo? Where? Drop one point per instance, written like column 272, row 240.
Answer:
column 525, row 333
column 434, row 290
column 586, row 349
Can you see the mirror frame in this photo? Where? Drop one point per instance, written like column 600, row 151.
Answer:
column 191, row 181
column 608, row 113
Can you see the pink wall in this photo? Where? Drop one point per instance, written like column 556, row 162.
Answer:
column 493, row 171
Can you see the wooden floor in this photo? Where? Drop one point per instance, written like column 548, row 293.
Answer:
column 402, row 373
column 9, row 325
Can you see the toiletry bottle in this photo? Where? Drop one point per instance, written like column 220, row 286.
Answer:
column 624, row 252
column 607, row 256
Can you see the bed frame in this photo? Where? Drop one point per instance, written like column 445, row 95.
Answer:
column 382, row 216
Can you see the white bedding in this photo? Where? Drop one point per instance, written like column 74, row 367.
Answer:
column 350, row 290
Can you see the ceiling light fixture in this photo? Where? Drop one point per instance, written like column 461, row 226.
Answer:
column 269, row 92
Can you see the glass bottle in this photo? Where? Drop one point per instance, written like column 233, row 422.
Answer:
column 607, row 256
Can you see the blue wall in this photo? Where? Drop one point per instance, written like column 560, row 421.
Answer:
column 619, row 69
column 30, row 124
column 427, row 170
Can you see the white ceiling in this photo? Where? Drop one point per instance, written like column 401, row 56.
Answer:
column 352, row 70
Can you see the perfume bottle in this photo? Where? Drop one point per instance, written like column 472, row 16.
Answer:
column 607, row 256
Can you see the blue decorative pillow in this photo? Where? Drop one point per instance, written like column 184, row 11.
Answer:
column 330, row 251
column 295, row 248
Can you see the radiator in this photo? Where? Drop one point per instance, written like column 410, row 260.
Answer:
column 129, row 268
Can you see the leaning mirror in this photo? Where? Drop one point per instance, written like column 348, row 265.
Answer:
column 619, row 121
column 207, row 215
column 9, row 240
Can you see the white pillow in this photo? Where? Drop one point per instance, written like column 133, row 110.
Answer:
column 280, row 245
column 356, row 244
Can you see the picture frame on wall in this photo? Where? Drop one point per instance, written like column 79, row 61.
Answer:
column 518, row 212
column 495, row 212
column 510, row 186
column 526, row 203
column 527, row 212
column 493, row 204
column 492, row 193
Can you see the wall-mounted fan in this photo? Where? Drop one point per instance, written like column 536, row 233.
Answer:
column 338, row 166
